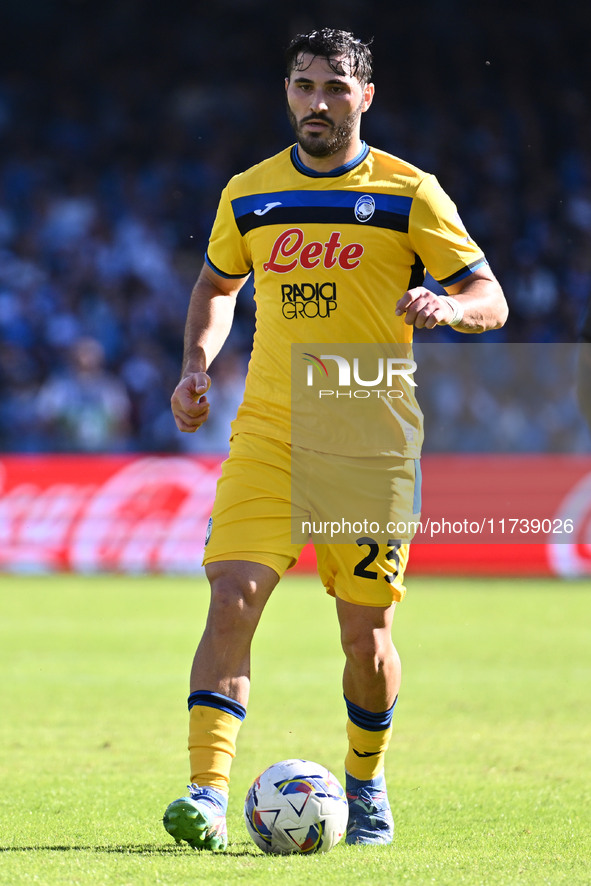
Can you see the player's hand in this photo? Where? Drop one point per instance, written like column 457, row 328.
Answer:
column 189, row 404
column 423, row 308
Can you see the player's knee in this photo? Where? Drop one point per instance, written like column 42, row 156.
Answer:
column 368, row 650
column 235, row 604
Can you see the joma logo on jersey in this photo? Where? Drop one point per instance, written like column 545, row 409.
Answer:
column 290, row 250
column 308, row 300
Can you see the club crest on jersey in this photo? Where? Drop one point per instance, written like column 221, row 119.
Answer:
column 365, row 208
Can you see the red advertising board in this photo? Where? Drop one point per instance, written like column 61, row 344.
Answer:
column 496, row 515
column 91, row 513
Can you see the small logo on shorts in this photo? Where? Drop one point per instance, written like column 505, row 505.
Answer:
column 208, row 530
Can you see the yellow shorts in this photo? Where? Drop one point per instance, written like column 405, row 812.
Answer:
column 258, row 516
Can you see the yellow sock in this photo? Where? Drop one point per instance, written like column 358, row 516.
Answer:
column 212, row 744
column 365, row 757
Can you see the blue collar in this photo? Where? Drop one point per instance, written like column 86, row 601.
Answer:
column 340, row 170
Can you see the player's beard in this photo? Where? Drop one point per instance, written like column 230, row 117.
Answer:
column 321, row 145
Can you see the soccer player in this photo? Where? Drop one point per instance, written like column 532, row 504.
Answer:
column 337, row 235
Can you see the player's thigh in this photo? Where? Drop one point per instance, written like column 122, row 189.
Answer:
column 367, row 572
column 251, row 516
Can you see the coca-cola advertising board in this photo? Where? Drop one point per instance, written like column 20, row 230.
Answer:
column 91, row 514
column 497, row 515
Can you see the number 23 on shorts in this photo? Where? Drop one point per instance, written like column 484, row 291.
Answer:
column 361, row 569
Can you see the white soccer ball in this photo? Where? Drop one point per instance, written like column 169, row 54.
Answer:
column 296, row 806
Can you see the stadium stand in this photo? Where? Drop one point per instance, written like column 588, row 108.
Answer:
column 120, row 125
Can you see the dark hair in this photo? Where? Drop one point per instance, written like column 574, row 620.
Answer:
column 331, row 44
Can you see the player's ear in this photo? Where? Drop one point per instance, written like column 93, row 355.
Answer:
column 286, row 83
column 368, row 94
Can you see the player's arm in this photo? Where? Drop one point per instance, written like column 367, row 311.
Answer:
column 475, row 304
column 209, row 320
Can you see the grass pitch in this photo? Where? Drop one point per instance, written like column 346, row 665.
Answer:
column 488, row 773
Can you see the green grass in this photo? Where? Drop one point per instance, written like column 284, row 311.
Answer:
column 488, row 772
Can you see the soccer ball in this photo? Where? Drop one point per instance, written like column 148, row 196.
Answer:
column 296, row 806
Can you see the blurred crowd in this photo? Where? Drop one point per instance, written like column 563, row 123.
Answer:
column 120, row 125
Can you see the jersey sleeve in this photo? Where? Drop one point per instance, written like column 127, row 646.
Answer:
column 438, row 236
column 227, row 253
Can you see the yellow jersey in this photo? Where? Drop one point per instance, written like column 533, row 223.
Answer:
column 331, row 255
